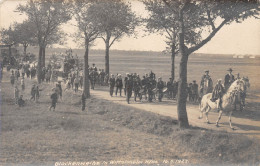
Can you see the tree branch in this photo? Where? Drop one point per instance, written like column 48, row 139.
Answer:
column 206, row 40
column 210, row 21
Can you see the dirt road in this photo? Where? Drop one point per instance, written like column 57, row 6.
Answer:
column 247, row 122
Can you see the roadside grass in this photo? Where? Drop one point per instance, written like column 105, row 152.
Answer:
column 107, row 131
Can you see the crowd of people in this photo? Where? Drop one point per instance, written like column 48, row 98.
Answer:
column 151, row 88
column 132, row 84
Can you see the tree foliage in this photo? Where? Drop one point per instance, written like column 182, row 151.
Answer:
column 114, row 19
column 210, row 15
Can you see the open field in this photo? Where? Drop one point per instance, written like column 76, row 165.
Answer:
column 110, row 131
column 107, row 131
column 160, row 64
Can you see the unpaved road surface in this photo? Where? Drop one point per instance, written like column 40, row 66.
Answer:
column 247, row 122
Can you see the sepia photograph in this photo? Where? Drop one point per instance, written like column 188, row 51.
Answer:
column 129, row 82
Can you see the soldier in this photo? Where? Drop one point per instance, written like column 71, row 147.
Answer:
column 102, row 76
column 150, row 89
column 129, row 88
column 160, row 86
column 37, row 93
column 112, row 83
column 119, row 84
column 206, row 84
column 137, row 87
column 229, row 79
column 194, row 91
column 217, row 93
column 144, row 86
column 76, row 83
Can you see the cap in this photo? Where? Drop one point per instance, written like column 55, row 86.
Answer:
column 229, row 69
column 206, row 70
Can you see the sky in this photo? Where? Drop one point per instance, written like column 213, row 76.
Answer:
column 236, row 38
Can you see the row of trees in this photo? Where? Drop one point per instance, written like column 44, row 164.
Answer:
column 183, row 22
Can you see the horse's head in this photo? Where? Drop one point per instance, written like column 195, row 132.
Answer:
column 238, row 85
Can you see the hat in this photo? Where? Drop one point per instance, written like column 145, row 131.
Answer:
column 219, row 79
column 93, row 64
column 206, row 70
column 194, row 80
column 229, row 69
column 170, row 78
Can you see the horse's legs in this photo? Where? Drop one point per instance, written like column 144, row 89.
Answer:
column 219, row 117
column 230, row 123
column 206, row 113
column 201, row 111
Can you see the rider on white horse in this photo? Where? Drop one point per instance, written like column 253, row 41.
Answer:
column 217, row 94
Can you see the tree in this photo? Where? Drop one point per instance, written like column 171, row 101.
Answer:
column 47, row 16
column 26, row 33
column 86, row 31
column 204, row 14
column 114, row 19
column 8, row 37
column 164, row 20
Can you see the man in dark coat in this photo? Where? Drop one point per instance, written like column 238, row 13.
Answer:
column 54, row 99
column 137, row 87
column 112, row 83
column 119, row 84
column 229, row 79
column 160, row 86
column 217, row 93
column 129, row 88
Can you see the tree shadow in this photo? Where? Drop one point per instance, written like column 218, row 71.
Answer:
column 243, row 127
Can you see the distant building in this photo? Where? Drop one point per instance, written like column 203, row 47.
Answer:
column 252, row 57
column 241, row 56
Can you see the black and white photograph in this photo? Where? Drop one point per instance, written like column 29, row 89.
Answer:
column 129, row 82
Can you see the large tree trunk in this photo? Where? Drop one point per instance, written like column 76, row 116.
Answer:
column 182, row 86
column 86, row 72
column 39, row 66
column 107, row 57
column 43, row 56
column 173, row 62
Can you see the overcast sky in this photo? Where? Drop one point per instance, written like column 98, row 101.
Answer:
column 243, row 38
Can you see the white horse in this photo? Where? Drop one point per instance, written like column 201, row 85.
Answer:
column 227, row 101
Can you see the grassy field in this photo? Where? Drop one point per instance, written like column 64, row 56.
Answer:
column 107, row 131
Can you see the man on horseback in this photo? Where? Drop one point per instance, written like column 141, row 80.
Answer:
column 229, row 79
column 217, row 93
column 206, row 84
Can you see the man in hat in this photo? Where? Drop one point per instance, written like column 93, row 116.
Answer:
column 129, row 87
column 160, row 86
column 206, row 84
column 21, row 102
column 217, row 94
column 229, row 79
column 12, row 78
column 60, row 89
column 119, row 84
